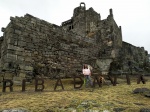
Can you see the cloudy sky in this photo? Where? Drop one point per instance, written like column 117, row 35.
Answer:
column 132, row 15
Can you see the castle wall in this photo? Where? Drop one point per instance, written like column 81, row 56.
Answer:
column 88, row 23
column 33, row 43
column 110, row 37
column 92, row 20
column 1, row 40
column 137, row 55
column 83, row 21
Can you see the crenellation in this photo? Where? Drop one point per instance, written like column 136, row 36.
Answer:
column 111, row 12
column 3, row 29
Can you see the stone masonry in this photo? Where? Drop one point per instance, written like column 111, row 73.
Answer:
column 30, row 45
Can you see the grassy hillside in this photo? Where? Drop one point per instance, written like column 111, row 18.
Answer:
column 107, row 97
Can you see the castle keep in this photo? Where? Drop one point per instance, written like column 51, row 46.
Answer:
column 30, row 44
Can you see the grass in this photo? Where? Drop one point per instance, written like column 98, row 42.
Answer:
column 107, row 97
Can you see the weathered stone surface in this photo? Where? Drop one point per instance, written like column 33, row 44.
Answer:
column 8, row 75
column 17, row 80
column 88, row 103
column 1, row 78
column 147, row 94
column 145, row 110
column 11, row 56
column 15, row 110
column 140, row 90
column 139, row 104
column 118, row 109
column 103, row 64
column 28, row 68
column 22, row 75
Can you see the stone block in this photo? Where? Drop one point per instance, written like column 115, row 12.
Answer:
column 28, row 59
column 20, row 58
column 18, row 80
column 8, row 75
column 25, row 34
column 29, row 45
column 15, row 110
column 12, row 41
column 29, row 68
column 21, row 43
column 19, row 49
column 19, row 53
column 12, row 18
column 12, row 56
column 11, row 47
column 1, row 78
column 103, row 64
column 18, row 32
column 15, row 47
column 11, row 51
column 144, row 110
column 22, row 75
column 141, row 90
column 28, row 54
column 35, row 52
column 22, row 66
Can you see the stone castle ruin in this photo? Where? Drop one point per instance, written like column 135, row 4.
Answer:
column 31, row 46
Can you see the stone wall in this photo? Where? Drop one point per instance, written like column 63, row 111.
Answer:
column 1, row 40
column 137, row 55
column 33, row 43
column 88, row 23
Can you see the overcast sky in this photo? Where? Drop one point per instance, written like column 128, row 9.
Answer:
column 132, row 15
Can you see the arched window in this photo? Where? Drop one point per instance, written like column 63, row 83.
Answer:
column 70, row 27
